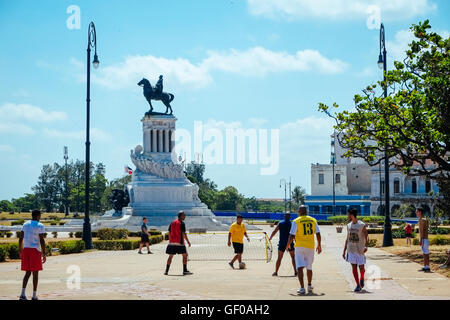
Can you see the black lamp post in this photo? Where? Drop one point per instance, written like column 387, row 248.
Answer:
column 387, row 236
column 92, row 42
column 285, row 197
column 333, row 142
column 66, row 195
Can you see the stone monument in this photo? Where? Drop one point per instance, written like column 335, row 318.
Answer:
column 159, row 187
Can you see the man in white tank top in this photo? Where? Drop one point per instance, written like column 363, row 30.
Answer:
column 356, row 246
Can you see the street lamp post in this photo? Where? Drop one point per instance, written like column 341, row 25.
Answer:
column 92, row 43
column 66, row 192
column 334, row 176
column 285, row 196
column 387, row 236
column 290, row 196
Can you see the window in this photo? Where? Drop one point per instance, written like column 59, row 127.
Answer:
column 321, row 178
column 338, row 178
column 396, row 185
column 414, row 186
column 427, row 186
column 382, row 186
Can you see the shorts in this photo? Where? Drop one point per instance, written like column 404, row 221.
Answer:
column 425, row 244
column 356, row 258
column 144, row 238
column 176, row 249
column 304, row 257
column 31, row 259
column 282, row 246
column 238, row 247
column 408, row 235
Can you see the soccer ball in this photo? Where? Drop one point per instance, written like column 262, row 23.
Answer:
column 242, row 265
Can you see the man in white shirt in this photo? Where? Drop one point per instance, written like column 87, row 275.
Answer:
column 32, row 251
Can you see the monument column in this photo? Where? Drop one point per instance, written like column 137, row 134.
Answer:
column 154, row 140
column 166, row 142
column 160, row 140
column 145, row 140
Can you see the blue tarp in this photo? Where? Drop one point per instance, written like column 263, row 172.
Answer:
column 265, row 215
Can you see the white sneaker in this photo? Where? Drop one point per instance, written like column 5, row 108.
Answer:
column 310, row 289
column 301, row 291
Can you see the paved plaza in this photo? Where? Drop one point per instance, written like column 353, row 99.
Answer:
column 128, row 275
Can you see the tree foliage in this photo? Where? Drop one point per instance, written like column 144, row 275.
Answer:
column 412, row 124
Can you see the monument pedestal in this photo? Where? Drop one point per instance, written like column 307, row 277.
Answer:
column 159, row 188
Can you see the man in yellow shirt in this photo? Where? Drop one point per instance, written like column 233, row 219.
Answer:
column 236, row 235
column 302, row 230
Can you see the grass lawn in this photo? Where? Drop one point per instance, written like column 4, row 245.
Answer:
column 27, row 215
column 413, row 252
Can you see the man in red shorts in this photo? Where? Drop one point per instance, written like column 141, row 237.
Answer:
column 32, row 251
column 177, row 236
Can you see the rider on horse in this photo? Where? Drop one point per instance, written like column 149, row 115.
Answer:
column 159, row 87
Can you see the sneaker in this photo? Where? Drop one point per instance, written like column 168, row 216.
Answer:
column 310, row 288
column 139, row 252
column 301, row 291
column 231, row 265
column 34, row 298
column 361, row 283
column 166, row 273
column 357, row 289
column 149, row 252
column 186, row 273
column 274, row 274
column 427, row 268
column 23, row 298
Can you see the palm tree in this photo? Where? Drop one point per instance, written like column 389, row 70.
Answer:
column 298, row 195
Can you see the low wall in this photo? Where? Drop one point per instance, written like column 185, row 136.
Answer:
column 265, row 215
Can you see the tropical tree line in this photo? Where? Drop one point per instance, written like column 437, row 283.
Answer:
column 51, row 194
column 229, row 197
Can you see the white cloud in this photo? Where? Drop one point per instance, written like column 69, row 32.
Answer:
column 95, row 133
column 338, row 9
column 6, row 148
column 255, row 61
column 11, row 111
column 15, row 128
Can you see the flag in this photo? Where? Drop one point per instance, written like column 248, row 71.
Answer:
column 128, row 170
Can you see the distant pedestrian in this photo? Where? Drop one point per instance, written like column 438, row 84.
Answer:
column 356, row 246
column 236, row 236
column 145, row 237
column 408, row 233
column 284, row 227
column 32, row 251
column 423, row 236
column 177, row 236
column 302, row 231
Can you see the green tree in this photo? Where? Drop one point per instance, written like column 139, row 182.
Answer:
column 26, row 203
column 298, row 195
column 48, row 188
column 228, row 199
column 6, row 206
column 196, row 171
column 413, row 123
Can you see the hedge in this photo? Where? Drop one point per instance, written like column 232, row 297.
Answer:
column 338, row 219
column 437, row 241
column 17, row 222
column 112, row 234
column 105, row 232
column 438, row 230
column 123, row 244
column 71, row 246
column 11, row 250
column 3, row 253
column 324, row 222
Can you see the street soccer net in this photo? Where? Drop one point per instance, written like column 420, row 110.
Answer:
column 213, row 246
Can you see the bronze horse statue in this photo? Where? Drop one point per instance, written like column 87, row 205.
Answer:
column 156, row 93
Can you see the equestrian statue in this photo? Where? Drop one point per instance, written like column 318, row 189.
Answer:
column 156, row 93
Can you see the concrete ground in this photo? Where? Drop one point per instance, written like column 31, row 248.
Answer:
column 128, row 275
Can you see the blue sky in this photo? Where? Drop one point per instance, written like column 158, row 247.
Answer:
column 261, row 64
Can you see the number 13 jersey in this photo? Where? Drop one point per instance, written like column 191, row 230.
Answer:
column 304, row 228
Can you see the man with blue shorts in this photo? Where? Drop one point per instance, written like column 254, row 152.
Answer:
column 284, row 227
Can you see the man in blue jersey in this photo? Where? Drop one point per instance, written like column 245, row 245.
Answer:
column 284, row 227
